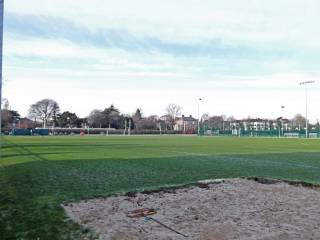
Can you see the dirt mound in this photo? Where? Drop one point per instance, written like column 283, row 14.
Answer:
column 232, row 209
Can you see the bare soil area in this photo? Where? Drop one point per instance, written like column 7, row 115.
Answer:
column 231, row 209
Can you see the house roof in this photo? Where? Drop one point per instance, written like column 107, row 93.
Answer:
column 188, row 119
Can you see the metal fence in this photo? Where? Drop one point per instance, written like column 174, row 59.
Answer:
column 259, row 133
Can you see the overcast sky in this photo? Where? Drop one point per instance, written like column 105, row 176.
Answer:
column 243, row 57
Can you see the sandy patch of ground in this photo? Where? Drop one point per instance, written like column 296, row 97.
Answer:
column 232, row 209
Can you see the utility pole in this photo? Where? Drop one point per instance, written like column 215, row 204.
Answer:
column 306, row 93
column 125, row 126
column 282, row 126
column 200, row 99
column 281, row 132
column 129, row 129
column 160, row 128
column 1, row 55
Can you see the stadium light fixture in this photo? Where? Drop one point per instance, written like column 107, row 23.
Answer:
column 199, row 100
column 306, row 83
column 1, row 50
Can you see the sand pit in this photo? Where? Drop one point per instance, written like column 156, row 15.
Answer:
column 231, row 209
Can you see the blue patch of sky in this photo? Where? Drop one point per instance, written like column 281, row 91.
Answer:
column 32, row 61
column 57, row 28
column 207, row 56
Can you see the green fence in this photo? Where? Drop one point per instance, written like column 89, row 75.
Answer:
column 258, row 133
column 29, row 132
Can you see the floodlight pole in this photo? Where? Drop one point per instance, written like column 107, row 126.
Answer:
column 281, row 132
column 306, row 92
column 200, row 99
column 1, row 54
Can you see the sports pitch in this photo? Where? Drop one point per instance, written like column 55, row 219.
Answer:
column 37, row 174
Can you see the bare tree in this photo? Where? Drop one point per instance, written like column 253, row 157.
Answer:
column 205, row 117
column 138, row 114
column 8, row 118
column 45, row 110
column 96, row 118
column 173, row 111
column 298, row 121
column 231, row 119
column 6, row 105
column 137, row 119
column 151, row 122
column 217, row 122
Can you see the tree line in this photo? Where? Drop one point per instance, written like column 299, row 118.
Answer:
column 46, row 113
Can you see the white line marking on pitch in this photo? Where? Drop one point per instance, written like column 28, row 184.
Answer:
column 224, row 157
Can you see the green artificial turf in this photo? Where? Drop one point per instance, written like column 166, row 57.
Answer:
column 37, row 174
